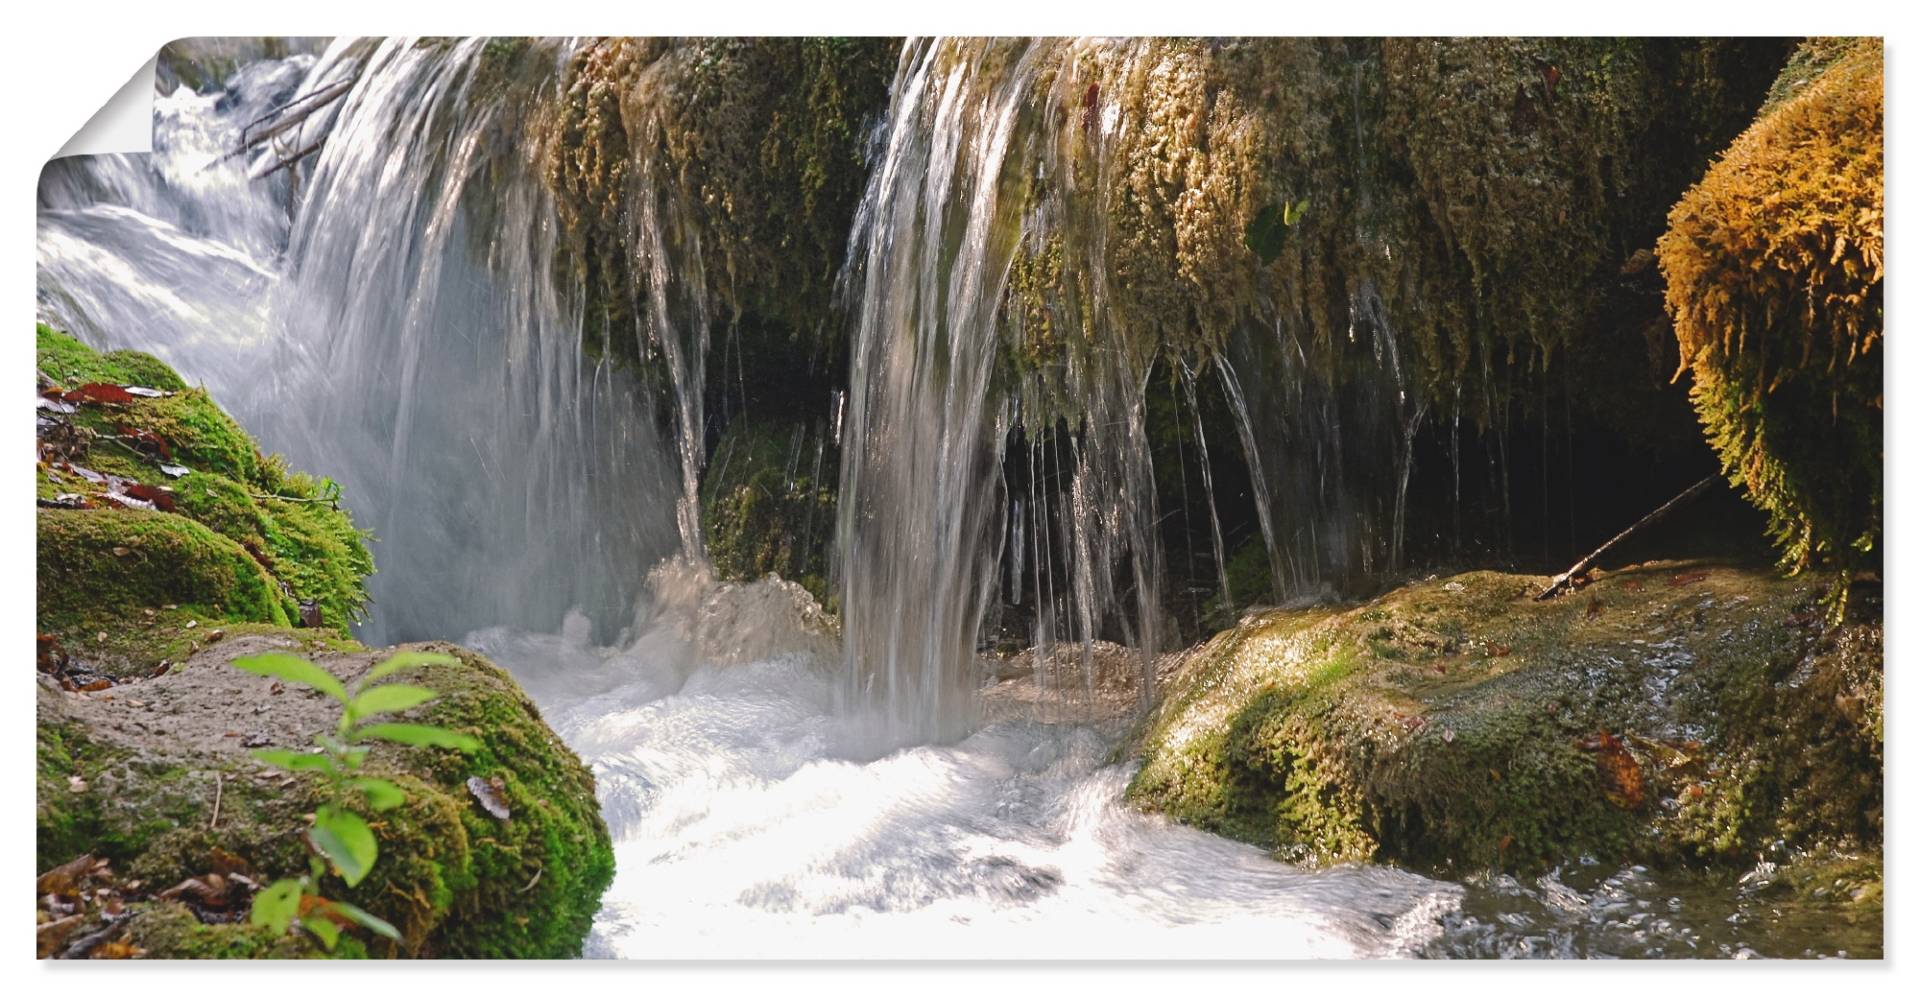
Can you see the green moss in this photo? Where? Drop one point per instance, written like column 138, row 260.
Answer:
column 1459, row 724
column 170, row 930
column 68, row 361
column 455, row 880
column 99, row 567
column 763, row 510
column 287, row 523
column 533, row 882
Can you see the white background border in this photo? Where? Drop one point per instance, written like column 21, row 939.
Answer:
column 66, row 57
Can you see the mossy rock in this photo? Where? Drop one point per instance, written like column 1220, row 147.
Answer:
column 137, row 774
column 100, row 570
column 765, row 508
column 1774, row 264
column 758, row 146
column 246, row 539
column 1670, row 712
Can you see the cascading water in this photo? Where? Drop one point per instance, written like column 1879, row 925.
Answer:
column 392, row 312
column 407, row 331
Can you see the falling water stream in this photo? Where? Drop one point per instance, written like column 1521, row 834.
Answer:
column 389, row 313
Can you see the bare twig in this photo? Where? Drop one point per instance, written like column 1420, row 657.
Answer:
column 287, row 116
column 219, row 784
column 1561, row 582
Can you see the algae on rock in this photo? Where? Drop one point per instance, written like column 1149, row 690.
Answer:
column 1667, row 712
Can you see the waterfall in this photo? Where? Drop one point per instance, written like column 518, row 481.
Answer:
column 417, row 339
column 406, row 310
column 926, row 504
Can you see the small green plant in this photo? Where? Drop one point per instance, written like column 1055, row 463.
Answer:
column 1268, row 231
column 339, row 839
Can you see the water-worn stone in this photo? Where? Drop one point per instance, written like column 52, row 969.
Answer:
column 1665, row 712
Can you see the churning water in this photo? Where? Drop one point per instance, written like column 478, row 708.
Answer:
column 396, row 321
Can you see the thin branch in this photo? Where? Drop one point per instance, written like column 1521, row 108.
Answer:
column 1561, row 582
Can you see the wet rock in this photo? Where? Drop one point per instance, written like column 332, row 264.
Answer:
column 1457, row 724
column 165, row 801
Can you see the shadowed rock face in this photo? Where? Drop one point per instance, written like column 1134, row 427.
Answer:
column 155, row 776
column 1672, row 711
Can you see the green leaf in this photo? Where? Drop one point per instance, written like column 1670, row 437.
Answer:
column 1292, row 213
column 346, row 840
column 1267, row 233
column 381, row 794
column 416, row 735
column 294, row 760
column 405, row 659
column 324, row 929
column 389, row 698
column 366, row 919
column 275, row 906
column 293, row 670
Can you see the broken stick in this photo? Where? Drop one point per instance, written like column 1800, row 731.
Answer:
column 1561, row 582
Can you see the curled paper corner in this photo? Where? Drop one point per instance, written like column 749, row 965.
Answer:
column 123, row 124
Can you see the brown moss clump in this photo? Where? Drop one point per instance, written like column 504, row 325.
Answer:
column 1482, row 199
column 1774, row 265
column 757, row 143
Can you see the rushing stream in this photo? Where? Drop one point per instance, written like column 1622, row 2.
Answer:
column 392, row 318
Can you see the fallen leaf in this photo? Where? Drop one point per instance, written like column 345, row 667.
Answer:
column 491, row 793
column 49, row 938
column 107, row 394
column 1618, row 770
column 174, row 470
column 129, row 501
column 159, row 497
column 146, row 438
column 1690, row 577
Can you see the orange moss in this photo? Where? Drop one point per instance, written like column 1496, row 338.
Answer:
column 1774, row 265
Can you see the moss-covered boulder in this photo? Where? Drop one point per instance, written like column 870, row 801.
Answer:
column 159, row 515
column 1774, row 265
column 1668, row 712
column 157, row 777
column 168, row 545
